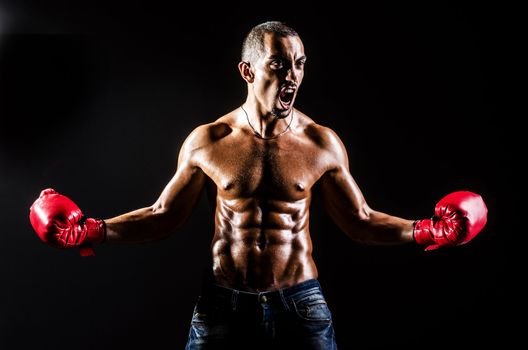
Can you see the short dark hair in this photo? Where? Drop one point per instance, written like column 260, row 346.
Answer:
column 253, row 45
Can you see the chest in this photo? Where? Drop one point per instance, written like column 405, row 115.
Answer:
column 282, row 169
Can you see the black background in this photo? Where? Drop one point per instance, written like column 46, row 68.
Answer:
column 95, row 101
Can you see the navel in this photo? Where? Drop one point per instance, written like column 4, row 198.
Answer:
column 228, row 185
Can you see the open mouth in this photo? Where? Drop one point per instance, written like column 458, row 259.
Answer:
column 286, row 95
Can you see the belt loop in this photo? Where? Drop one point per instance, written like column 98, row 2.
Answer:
column 283, row 299
column 234, row 298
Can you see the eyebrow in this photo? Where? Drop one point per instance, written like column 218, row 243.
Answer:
column 303, row 57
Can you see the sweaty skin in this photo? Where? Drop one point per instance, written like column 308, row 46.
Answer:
column 260, row 169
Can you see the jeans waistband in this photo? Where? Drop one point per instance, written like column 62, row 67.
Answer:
column 238, row 299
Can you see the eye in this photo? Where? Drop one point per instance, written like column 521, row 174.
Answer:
column 276, row 64
column 300, row 64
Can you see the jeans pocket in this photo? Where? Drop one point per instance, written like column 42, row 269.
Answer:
column 203, row 312
column 313, row 308
column 207, row 326
column 199, row 318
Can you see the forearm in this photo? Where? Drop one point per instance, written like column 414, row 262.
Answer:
column 379, row 228
column 139, row 226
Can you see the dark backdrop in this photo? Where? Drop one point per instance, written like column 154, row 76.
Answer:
column 95, row 101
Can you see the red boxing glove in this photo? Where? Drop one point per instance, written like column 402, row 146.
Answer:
column 458, row 218
column 59, row 222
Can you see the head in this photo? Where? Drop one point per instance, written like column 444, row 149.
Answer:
column 273, row 67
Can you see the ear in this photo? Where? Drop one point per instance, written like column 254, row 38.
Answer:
column 245, row 71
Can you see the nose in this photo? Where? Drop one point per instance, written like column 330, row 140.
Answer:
column 291, row 75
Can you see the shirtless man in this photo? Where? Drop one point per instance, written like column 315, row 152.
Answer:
column 260, row 163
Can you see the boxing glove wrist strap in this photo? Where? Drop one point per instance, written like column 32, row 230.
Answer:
column 422, row 234
column 95, row 234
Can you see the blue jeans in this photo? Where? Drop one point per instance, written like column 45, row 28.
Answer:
column 296, row 317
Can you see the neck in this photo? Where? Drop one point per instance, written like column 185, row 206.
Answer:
column 266, row 125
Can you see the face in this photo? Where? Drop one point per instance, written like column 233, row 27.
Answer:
column 278, row 74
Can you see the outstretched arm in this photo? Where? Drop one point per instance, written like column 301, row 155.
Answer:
column 171, row 209
column 457, row 219
column 347, row 206
column 59, row 222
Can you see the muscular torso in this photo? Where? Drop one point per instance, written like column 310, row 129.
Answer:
column 263, row 194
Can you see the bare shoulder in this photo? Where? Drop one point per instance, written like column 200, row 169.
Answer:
column 203, row 138
column 207, row 134
column 323, row 136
